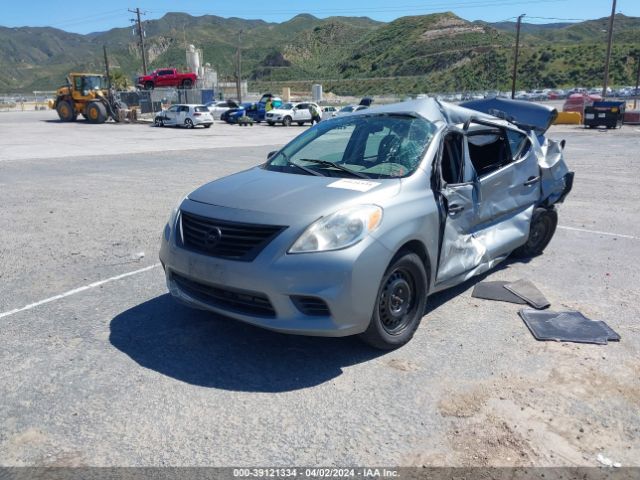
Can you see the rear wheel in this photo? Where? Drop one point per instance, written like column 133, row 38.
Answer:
column 188, row 123
column 65, row 111
column 301, row 123
column 187, row 83
column 207, row 125
column 543, row 226
column 96, row 112
column 148, row 86
column 286, row 121
column 400, row 304
column 271, row 124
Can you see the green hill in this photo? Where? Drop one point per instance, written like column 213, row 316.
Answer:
column 353, row 55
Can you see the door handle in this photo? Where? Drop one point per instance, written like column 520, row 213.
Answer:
column 453, row 209
column 531, row 181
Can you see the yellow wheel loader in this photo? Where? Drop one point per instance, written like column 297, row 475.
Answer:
column 89, row 95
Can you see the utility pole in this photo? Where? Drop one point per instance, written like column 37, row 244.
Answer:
column 106, row 66
column 515, row 59
column 635, row 92
column 141, row 36
column 239, row 69
column 609, row 42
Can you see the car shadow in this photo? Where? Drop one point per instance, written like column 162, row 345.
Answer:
column 208, row 350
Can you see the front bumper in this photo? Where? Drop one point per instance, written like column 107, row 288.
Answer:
column 346, row 280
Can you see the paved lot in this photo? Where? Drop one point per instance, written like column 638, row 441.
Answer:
column 119, row 374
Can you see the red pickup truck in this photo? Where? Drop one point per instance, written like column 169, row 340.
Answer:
column 167, row 77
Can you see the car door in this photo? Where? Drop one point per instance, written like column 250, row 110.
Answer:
column 508, row 187
column 301, row 112
column 183, row 113
column 170, row 115
column 457, row 197
column 488, row 188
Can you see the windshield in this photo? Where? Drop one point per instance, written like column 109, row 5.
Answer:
column 372, row 146
column 286, row 106
column 95, row 82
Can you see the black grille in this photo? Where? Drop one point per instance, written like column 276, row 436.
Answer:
column 312, row 306
column 240, row 301
column 225, row 239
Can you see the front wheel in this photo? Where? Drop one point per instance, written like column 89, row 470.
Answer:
column 271, row 124
column 301, row 123
column 188, row 123
column 159, row 122
column 400, row 304
column 65, row 110
column 148, row 86
column 543, row 226
column 286, row 121
column 207, row 125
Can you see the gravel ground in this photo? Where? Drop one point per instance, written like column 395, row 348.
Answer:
column 119, row 374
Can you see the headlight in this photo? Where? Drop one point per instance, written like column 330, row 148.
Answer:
column 341, row 229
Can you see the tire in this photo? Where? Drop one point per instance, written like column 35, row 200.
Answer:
column 394, row 321
column 187, row 84
column 159, row 122
column 148, row 86
column 96, row 112
column 188, row 123
column 65, row 110
column 271, row 124
column 286, row 121
column 208, row 125
column 301, row 123
column 543, row 225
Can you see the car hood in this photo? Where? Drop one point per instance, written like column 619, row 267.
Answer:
column 267, row 191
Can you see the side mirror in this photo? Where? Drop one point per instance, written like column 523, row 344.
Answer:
column 271, row 154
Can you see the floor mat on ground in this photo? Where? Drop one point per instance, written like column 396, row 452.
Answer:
column 496, row 291
column 569, row 326
column 528, row 292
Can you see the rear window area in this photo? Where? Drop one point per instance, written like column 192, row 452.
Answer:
column 201, row 109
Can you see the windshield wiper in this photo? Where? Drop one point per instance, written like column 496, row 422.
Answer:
column 305, row 169
column 335, row 165
column 301, row 167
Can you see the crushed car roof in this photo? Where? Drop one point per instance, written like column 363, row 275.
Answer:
column 523, row 115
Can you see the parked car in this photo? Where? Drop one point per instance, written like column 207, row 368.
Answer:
column 348, row 228
column 183, row 115
column 167, row 77
column 248, row 109
column 218, row 108
column 350, row 109
column 289, row 112
column 329, row 112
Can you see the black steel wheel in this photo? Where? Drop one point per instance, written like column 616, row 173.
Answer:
column 400, row 304
column 543, row 226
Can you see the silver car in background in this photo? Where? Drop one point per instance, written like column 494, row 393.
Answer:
column 349, row 227
column 184, row 115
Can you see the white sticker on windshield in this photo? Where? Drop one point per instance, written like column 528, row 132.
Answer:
column 359, row 185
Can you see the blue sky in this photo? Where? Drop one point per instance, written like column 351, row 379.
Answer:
column 100, row 16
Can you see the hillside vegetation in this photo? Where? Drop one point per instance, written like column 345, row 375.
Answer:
column 349, row 55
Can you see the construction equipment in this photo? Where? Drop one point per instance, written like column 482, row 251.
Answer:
column 89, row 95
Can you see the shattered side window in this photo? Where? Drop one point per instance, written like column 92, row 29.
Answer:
column 518, row 143
column 489, row 151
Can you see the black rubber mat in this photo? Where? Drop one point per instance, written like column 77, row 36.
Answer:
column 496, row 291
column 529, row 293
column 569, row 326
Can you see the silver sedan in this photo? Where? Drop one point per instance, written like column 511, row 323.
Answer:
column 348, row 228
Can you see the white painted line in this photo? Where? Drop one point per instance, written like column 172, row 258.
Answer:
column 77, row 290
column 597, row 232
